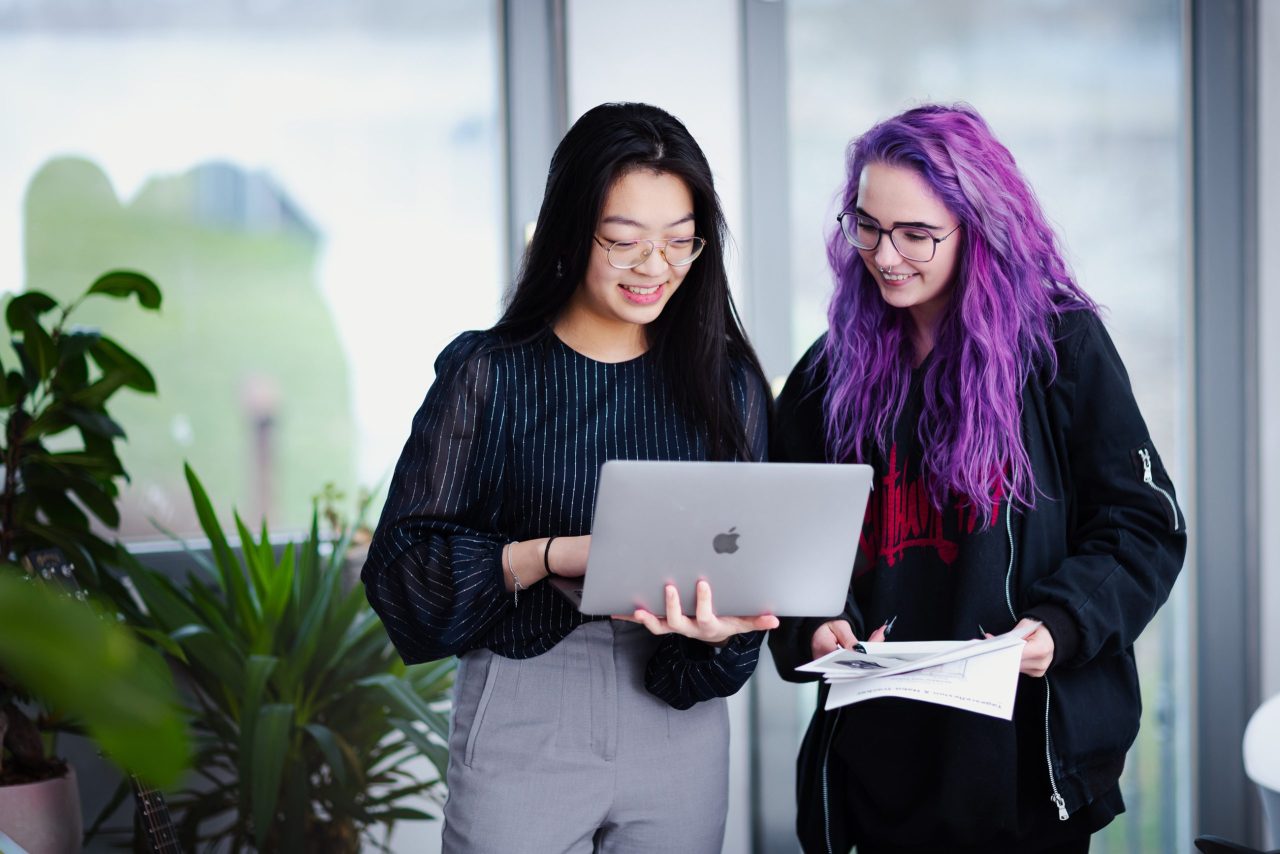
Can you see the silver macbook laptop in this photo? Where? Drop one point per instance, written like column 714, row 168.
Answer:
column 777, row 538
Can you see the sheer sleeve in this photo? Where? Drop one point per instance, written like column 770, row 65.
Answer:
column 434, row 571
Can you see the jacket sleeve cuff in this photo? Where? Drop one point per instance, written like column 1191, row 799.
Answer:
column 1062, row 628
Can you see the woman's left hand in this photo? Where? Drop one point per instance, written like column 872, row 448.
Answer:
column 704, row 625
column 1037, row 655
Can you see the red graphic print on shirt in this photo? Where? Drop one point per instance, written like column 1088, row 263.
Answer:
column 900, row 516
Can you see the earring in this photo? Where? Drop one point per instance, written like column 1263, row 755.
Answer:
column 559, row 270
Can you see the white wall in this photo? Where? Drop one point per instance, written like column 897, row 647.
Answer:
column 685, row 58
column 1268, row 339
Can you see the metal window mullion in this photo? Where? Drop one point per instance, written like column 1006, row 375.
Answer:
column 1224, row 174
column 535, row 108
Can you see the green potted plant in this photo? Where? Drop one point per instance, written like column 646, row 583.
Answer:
column 91, row 670
column 306, row 721
column 60, row 471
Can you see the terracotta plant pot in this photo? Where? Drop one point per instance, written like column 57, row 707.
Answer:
column 44, row 817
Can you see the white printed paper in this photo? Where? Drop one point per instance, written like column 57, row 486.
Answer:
column 978, row 676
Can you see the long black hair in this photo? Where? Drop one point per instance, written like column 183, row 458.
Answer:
column 698, row 336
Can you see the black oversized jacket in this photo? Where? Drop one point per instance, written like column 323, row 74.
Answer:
column 1093, row 560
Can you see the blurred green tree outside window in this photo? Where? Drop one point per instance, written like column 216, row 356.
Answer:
column 316, row 184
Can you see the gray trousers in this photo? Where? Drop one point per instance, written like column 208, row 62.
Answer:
column 567, row 752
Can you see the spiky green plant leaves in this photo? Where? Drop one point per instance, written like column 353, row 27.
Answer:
column 307, row 722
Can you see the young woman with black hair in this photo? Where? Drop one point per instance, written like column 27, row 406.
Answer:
column 620, row 341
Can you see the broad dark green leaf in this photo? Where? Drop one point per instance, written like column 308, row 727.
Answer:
column 310, row 634
column 93, row 668
column 51, row 422
column 104, row 448
column 98, row 500
column 96, row 394
column 400, row 695
column 72, row 373
column 70, row 461
column 257, row 671
column 114, row 359
column 12, row 389
column 28, row 305
column 257, row 564
column 229, row 570
column 94, row 422
column 332, row 747
column 220, row 616
column 60, row 510
column 295, row 810
column 437, row 753
column 271, row 740
column 396, row 794
column 168, row 645
column 197, row 557
column 39, row 349
column 278, row 586
column 77, row 339
column 124, row 283
column 401, row 814
column 338, row 621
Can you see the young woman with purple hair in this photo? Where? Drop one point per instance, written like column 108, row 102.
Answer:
column 1015, row 481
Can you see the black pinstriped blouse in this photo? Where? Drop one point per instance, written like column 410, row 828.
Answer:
column 508, row 446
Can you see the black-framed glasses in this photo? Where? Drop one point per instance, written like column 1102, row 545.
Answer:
column 629, row 254
column 912, row 242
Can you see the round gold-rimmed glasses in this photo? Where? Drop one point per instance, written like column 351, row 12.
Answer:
column 629, row 254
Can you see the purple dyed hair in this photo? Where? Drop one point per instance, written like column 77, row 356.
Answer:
column 1010, row 283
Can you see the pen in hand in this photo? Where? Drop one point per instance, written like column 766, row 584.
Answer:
column 885, row 629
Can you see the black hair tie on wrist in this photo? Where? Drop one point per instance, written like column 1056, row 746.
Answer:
column 546, row 559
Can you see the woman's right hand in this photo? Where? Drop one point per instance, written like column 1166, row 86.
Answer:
column 835, row 634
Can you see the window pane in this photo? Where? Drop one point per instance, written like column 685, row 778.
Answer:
column 315, row 186
column 1088, row 97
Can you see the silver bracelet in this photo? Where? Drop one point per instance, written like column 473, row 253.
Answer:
column 515, row 579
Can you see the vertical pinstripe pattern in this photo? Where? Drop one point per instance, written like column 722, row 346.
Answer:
column 508, row 446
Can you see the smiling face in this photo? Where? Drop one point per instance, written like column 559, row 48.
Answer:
column 896, row 196
column 610, row 308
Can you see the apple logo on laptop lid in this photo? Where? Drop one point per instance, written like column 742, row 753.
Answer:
column 726, row 543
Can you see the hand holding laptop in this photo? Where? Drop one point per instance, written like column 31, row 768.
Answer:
column 705, row 626
column 771, row 538
column 570, row 561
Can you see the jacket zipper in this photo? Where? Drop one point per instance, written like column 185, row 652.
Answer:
column 1150, row 481
column 1056, row 797
column 826, row 802
column 1008, row 575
